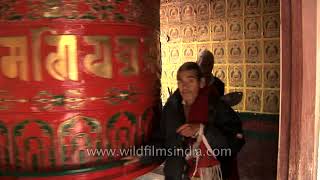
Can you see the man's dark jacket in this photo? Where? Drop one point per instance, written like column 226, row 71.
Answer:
column 220, row 131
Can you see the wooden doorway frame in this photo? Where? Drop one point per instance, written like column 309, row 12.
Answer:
column 298, row 131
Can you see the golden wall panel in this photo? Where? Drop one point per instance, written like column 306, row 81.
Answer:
column 174, row 12
column 235, row 52
column 164, row 75
column 189, row 32
column 243, row 35
column 203, row 10
column 164, row 93
column 164, row 34
column 271, row 101
column 271, row 6
column 271, row 26
column 173, row 1
column 271, row 76
column 253, row 51
column 235, row 7
column 175, row 53
column 218, row 9
column 163, row 14
column 218, row 30
column 252, row 7
column 254, row 75
column 235, row 28
column 253, row 99
column 189, row 51
column 220, row 71
column 164, row 51
column 203, row 31
column 272, row 51
column 174, row 33
column 253, row 27
column 236, row 75
column 239, row 106
column 219, row 52
column 188, row 12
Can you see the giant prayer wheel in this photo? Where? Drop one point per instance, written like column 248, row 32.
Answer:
column 76, row 75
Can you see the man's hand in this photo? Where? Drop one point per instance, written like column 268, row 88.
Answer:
column 239, row 135
column 188, row 130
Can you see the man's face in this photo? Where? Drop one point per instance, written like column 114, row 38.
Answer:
column 205, row 65
column 189, row 86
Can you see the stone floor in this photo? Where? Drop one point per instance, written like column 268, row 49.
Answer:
column 156, row 174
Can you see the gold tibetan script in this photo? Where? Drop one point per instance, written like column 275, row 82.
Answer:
column 63, row 65
column 128, row 54
column 14, row 65
column 99, row 63
column 36, row 49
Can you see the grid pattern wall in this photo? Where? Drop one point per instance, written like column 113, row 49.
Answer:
column 244, row 36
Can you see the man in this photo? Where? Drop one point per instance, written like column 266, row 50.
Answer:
column 206, row 63
column 216, row 88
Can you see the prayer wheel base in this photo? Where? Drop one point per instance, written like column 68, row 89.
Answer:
column 104, row 172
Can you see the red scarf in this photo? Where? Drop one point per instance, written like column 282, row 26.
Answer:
column 198, row 113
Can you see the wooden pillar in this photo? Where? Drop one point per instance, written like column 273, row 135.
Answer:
column 297, row 147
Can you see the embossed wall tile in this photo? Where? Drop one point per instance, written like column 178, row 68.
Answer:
column 253, row 7
column 236, row 75
column 218, row 30
column 174, row 34
column 271, row 76
column 163, row 14
column 164, row 94
column 169, row 74
column 271, row 6
column 203, row 10
column 253, row 27
column 235, row 52
column 173, row 1
column 219, row 52
column 272, row 51
column 234, row 31
column 235, row 28
column 240, row 106
column 188, row 12
column 173, row 74
column 271, row 101
column 253, row 51
column 189, row 51
column 164, row 34
column 254, row 75
column 174, row 11
column 271, row 26
column 189, row 32
column 201, row 47
column 164, row 53
column 235, row 7
column 253, row 100
column 218, row 9
column 203, row 31
column 220, row 71
column 175, row 53
column 164, row 76
column 163, row 1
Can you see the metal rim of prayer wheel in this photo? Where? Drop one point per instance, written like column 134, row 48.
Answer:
column 76, row 76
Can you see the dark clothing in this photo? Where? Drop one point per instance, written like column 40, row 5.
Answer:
column 229, row 166
column 220, row 131
column 218, row 84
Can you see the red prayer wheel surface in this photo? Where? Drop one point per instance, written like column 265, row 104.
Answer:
column 76, row 76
